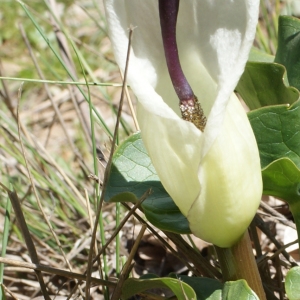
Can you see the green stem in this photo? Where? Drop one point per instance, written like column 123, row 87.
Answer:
column 238, row 262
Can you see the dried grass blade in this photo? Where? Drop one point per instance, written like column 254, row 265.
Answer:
column 55, row 271
column 26, row 235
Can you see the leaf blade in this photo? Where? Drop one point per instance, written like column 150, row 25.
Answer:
column 132, row 174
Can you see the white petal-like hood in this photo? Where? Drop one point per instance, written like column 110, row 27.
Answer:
column 231, row 185
column 214, row 39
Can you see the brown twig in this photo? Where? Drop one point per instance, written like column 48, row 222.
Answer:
column 281, row 218
column 187, row 254
column 107, row 170
column 262, row 226
column 128, row 266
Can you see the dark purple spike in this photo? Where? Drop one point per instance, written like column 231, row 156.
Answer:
column 168, row 11
column 189, row 105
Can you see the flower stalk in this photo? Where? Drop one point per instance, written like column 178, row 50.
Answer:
column 238, row 262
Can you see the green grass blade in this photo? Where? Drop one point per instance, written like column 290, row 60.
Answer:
column 4, row 242
column 64, row 66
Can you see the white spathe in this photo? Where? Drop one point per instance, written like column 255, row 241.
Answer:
column 213, row 176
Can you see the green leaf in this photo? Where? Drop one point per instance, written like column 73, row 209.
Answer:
column 282, row 179
column 277, row 132
column 238, row 290
column 181, row 290
column 292, row 286
column 261, row 85
column 205, row 288
column 132, row 174
column 288, row 53
column 260, row 56
column 185, row 287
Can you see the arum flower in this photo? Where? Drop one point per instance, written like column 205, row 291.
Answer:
column 211, row 170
